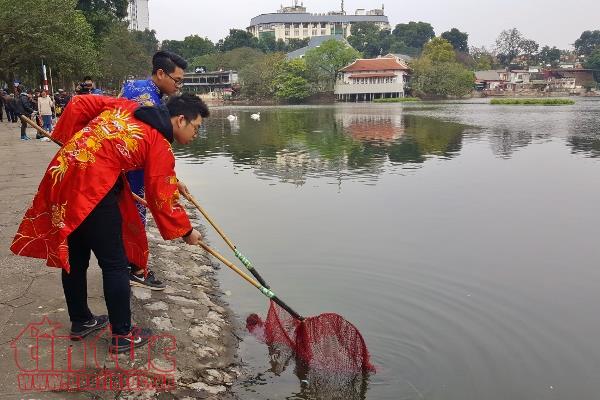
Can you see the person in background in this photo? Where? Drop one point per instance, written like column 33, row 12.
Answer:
column 22, row 106
column 45, row 105
column 167, row 79
column 2, row 94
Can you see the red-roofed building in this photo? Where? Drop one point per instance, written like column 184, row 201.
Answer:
column 374, row 78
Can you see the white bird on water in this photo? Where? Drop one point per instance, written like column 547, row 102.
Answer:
column 231, row 117
column 256, row 116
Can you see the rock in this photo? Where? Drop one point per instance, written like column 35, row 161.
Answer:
column 168, row 247
column 141, row 293
column 199, row 331
column 158, row 306
column 182, row 300
column 163, row 324
column 188, row 312
column 207, row 388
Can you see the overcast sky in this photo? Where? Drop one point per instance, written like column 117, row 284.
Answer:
column 549, row 22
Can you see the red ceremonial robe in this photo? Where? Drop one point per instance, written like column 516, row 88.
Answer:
column 108, row 141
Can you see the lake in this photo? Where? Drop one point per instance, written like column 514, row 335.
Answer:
column 460, row 238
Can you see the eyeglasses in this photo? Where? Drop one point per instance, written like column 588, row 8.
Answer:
column 196, row 128
column 178, row 82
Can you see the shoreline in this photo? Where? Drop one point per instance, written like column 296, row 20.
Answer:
column 190, row 312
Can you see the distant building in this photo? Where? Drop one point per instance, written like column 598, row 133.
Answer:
column 295, row 23
column 215, row 85
column 138, row 15
column 491, row 79
column 370, row 79
column 315, row 42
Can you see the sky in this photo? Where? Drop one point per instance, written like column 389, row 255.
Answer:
column 548, row 22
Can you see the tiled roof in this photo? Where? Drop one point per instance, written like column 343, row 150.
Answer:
column 375, row 64
column 384, row 75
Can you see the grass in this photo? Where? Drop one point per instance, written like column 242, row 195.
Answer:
column 397, row 100
column 533, row 102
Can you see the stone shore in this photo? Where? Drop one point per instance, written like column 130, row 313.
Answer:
column 194, row 350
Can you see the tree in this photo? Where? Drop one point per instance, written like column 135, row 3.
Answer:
column 190, row 47
column 147, row 38
column 549, row 56
column 414, row 34
column 529, row 49
column 290, row 82
column 235, row 59
column 458, row 39
column 587, row 43
column 237, row 38
column 437, row 73
column 295, row 44
column 483, row 59
column 258, row 78
column 122, row 56
column 326, row 60
column 508, row 45
column 593, row 62
column 62, row 36
column 367, row 38
column 102, row 14
column 439, row 50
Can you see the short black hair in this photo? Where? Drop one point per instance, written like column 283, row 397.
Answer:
column 87, row 78
column 188, row 105
column 167, row 61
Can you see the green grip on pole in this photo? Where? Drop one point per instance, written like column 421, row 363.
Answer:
column 243, row 259
column 267, row 292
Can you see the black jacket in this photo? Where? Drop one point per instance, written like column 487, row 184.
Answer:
column 22, row 105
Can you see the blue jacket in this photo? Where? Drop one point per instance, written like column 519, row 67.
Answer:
column 145, row 92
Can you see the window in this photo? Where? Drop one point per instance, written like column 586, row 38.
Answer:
column 323, row 32
column 296, row 32
column 287, row 32
column 314, row 32
column 305, row 32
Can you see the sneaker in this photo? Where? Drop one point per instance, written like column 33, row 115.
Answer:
column 136, row 338
column 79, row 330
column 149, row 282
column 25, row 138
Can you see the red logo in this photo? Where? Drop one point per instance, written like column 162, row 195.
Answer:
column 48, row 361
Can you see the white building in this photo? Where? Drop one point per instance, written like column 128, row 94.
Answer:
column 139, row 17
column 295, row 23
column 374, row 78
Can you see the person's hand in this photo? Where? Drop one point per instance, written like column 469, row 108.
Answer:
column 183, row 189
column 193, row 238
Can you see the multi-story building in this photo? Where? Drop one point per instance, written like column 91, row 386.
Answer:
column 375, row 78
column 139, row 17
column 295, row 23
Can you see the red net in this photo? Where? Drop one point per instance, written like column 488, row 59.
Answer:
column 325, row 342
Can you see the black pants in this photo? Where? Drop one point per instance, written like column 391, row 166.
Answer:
column 101, row 233
column 24, row 126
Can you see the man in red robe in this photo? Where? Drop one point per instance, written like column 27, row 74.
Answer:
column 84, row 204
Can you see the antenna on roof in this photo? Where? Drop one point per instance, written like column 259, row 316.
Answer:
column 342, row 6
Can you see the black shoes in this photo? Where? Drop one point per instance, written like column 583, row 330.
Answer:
column 149, row 282
column 79, row 330
column 136, row 338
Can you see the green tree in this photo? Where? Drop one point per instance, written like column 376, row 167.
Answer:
column 235, row 59
column 483, row 59
column 549, row 56
column 325, row 61
column 439, row 50
column 295, row 44
column 102, row 14
column 458, row 39
column 237, row 38
column 367, row 38
column 291, row 83
column 190, row 47
column 55, row 30
column 258, row 78
column 593, row 62
column 414, row 34
column 587, row 43
column 121, row 56
column 147, row 38
column 508, row 45
column 437, row 73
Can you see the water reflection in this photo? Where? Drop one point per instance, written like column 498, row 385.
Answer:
column 293, row 144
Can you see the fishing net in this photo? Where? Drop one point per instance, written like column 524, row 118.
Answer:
column 326, row 342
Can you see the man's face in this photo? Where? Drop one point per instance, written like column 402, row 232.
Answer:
column 184, row 132
column 169, row 83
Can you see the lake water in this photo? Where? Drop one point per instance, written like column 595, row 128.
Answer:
column 460, row 238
